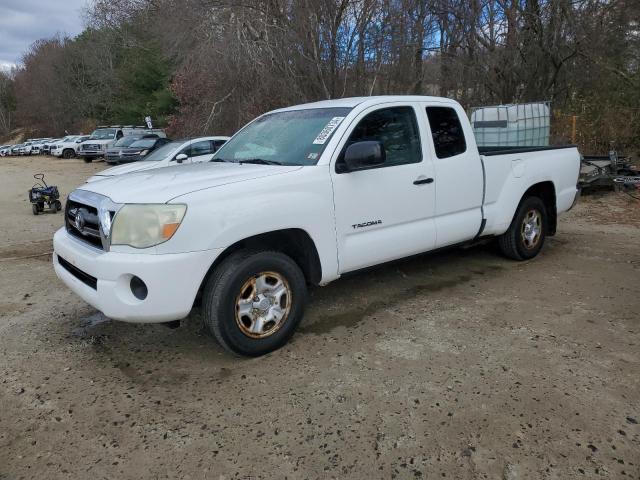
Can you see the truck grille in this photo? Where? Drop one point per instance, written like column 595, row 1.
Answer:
column 90, row 146
column 81, row 221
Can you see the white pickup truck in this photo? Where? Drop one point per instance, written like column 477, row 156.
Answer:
column 299, row 197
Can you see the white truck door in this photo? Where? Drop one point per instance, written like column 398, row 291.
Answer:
column 459, row 180
column 385, row 212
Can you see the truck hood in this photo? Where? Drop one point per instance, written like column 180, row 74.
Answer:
column 161, row 185
column 128, row 168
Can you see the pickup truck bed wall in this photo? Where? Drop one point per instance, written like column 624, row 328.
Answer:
column 500, row 150
column 511, row 173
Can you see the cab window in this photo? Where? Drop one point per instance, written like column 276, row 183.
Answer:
column 446, row 130
column 396, row 128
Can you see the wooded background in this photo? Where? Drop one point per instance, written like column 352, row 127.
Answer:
column 209, row 66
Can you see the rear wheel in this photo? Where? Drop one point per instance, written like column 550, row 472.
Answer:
column 254, row 300
column 526, row 234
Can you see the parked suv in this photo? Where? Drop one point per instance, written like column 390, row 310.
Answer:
column 5, row 150
column 37, row 145
column 105, row 137
column 140, row 148
column 46, row 146
column 113, row 154
column 25, row 148
column 68, row 146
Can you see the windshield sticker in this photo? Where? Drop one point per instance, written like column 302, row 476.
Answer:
column 327, row 131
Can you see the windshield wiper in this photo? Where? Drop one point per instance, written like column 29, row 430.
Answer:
column 222, row 160
column 259, row 161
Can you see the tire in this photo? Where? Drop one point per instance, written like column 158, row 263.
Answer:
column 88, row 159
column 68, row 153
column 57, row 205
column 239, row 279
column 34, row 209
column 522, row 242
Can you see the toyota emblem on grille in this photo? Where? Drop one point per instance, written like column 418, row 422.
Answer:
column 78, row 221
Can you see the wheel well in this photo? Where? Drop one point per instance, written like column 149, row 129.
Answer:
column 546, row 192
column 294, row 242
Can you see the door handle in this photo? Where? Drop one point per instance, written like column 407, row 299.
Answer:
column 423, row 181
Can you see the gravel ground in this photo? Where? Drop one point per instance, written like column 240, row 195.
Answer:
column 461, row 365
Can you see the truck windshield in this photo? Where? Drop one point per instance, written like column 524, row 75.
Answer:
column 295, row 137
column 103, row 134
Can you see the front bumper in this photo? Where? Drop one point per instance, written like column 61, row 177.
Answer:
column 172, row 280
column 91, row 153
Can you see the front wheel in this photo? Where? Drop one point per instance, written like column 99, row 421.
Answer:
column 88, row 159
column 526, row 234
column 254, row 300
column 68, row 153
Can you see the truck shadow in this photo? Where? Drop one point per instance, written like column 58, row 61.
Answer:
column 348, row 303
column 351, row 299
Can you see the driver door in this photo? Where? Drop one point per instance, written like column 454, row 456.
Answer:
column 387, row 211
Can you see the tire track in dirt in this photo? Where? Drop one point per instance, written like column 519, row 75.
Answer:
column 36, row 249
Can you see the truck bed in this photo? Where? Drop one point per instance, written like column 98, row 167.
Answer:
column 509, row 171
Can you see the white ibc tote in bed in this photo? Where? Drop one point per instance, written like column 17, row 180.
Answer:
column 518, row 125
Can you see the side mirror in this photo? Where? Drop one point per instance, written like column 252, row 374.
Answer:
column 363, row 155
column 181, row 157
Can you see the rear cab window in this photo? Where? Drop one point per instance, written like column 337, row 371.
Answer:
column 446, row 131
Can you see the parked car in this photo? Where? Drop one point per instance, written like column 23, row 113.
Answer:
column 140, row 148
column 105, row 137
column 113, row 155
column 186, row 151
column 46, row 147
column 68, row 146
column 15, row 150
column 5, row 150
column 37, row 145
column 303, row 195
column 25, row 149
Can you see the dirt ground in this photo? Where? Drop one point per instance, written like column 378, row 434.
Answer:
column 459, row 365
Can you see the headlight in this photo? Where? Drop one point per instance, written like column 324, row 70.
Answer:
column 143, row 226
column 144, row 152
